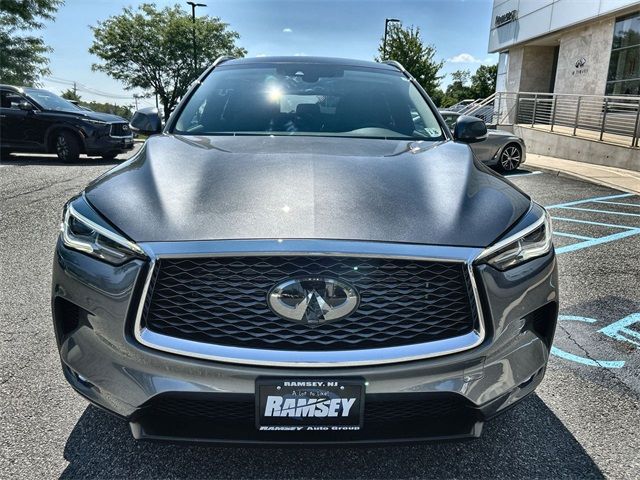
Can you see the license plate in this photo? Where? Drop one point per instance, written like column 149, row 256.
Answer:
column 309, row 404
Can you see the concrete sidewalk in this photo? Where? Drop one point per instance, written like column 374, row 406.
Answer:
column 626, row 180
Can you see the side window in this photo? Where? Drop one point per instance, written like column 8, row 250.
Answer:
column 10, row 99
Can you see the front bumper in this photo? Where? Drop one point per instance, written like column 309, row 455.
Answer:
column 101, row 144
column 94, row 308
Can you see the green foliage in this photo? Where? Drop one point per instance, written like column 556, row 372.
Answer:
column 23, row 57
column 120, row 110
column 483, row 82
column 464, row 85
column 459, row 88
column 152, row 49
column 69, row 94
column 406, row 46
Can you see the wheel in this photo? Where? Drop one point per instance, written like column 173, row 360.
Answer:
column 510, row 158
column 67, row 146
column 109, row 156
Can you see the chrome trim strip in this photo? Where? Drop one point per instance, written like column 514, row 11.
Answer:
column 103, row 231
column 285, row 358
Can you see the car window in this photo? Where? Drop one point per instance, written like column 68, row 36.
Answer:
column 50, row 101
column 450, row 119
column 308, row 99
column 10, row 99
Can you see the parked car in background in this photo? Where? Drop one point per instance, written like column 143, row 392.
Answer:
column 501, row 149
column 38, row 121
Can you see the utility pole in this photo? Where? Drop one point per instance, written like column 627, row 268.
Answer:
column 75, row 90
column 387, row 21
column 193, row 34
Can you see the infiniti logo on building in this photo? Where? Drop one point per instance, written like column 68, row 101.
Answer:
column 313, row 300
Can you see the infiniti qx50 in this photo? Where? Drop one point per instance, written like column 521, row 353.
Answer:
column 304, row 253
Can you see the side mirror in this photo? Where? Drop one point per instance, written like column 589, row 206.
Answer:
column 146, row 121
column 469, row 130
column 24, row 105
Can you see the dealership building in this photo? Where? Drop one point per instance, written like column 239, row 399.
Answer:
column 569, row 77
column 567, row 46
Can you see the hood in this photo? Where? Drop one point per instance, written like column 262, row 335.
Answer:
column 103, row 117
column 209, row 188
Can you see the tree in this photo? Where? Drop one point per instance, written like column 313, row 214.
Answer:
column 119, row 110
column 406, row 46
column 459, row 88
column 23, row 57
column 70, row 94
column 483, row 82
column 152, row 49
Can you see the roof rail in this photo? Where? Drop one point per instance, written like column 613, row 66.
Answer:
column 222, row 59
column 394, row 63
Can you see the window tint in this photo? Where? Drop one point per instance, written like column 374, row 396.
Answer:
column 624, row 67
column 50, row 101
column 308, row 99
column 10, row 99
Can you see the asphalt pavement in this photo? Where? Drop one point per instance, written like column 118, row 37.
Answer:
column 583, row 422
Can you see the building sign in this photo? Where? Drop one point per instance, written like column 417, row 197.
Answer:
column 506, row 18
column 581, row 67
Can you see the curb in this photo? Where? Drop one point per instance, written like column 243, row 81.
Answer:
column 584, row 178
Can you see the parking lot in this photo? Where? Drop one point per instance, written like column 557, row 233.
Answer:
column 581, row 423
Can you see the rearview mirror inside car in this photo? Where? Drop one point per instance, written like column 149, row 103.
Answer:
column 469, row 130
column 146, row 121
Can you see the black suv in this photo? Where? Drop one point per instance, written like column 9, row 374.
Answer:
column 35, row 120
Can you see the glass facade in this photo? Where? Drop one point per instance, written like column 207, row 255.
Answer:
column 624, row 68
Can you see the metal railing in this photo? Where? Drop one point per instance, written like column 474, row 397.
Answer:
column 600, row 117
column 496, row 109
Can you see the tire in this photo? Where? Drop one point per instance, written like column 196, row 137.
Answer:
column 510, row 158
column 67, row 146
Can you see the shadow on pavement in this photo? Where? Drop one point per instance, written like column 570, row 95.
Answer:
column 527, row 442
column 41, row 159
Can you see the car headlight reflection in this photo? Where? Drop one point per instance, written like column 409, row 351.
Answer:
column 535, row 241
column 81, row 234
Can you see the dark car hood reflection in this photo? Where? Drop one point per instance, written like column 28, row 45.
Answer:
column 243, row 187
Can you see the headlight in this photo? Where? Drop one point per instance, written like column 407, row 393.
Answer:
column 534, row 241
column 80, row 233
column 97, row 123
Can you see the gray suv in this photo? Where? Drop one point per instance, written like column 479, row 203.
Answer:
column 304, row 254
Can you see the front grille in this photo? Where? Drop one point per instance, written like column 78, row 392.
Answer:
column 120, row 130
column 223, row 301
column 207, row 408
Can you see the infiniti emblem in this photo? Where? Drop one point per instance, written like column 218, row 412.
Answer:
column 313, row 300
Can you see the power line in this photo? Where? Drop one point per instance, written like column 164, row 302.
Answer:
column 84, row 88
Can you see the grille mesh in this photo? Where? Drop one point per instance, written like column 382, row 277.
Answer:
column 222, row 300
column 120, row 129
column 376, row 412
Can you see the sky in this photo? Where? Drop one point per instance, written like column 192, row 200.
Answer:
column 459, row 29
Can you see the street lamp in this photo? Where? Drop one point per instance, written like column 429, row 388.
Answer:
column 387, row 21
column 193, row 19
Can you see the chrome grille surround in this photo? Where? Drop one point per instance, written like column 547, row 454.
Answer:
column 310, row 248
column 120, row 130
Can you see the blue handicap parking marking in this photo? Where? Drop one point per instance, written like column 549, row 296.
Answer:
column 609, row 206
column 617, row 330
column 620, row 330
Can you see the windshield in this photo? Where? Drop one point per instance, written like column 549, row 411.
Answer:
column 50, row 101
column 308, row 99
